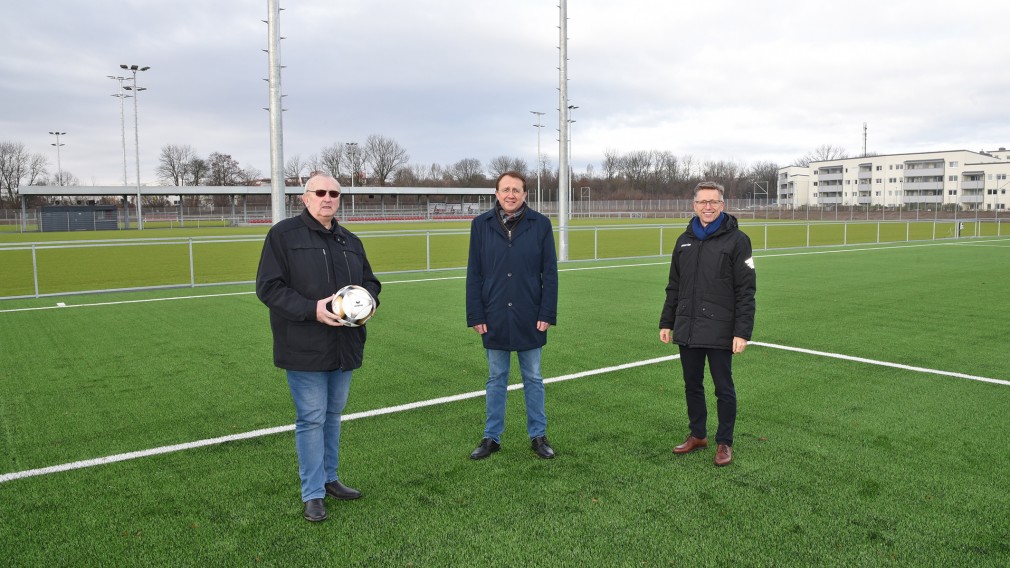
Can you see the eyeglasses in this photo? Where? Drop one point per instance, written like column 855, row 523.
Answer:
column 322, row 193
column 708, row 202
column 513, row 191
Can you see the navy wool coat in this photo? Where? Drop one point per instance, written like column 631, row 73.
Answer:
column 512, row 280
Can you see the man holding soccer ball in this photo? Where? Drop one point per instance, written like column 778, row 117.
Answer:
column 709, row 312
column 305, row 261
column 511, row 300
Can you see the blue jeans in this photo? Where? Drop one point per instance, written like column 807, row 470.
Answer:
column 497, row 388
column 320, row 397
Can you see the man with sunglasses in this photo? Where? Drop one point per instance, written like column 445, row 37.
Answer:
column 511, row 300
column 305, row 260
column 709, row 313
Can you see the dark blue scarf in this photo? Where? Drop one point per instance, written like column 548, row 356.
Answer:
column 705, row 232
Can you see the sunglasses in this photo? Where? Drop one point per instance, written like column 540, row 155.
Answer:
column 322, row 193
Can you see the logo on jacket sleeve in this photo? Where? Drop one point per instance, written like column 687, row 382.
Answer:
column 685, row 245
column 750, row 263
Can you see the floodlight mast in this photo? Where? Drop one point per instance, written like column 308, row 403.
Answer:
column 563, row 167
column 136, row 133
column 277, row 181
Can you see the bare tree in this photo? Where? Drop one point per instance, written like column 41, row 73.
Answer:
column 384, row 155
column 468, row 172
column 174, row 162
column 223, row 170
column 198, row 169
column 611, row 164
column 333, row 159
column 821, row 153
column 502, row 164
column 250, row 176
column 19, row 167
column 635, row 166
column 294, row 168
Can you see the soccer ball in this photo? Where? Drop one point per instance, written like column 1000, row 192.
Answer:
column 352, row 305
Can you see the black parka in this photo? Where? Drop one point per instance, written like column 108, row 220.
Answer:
column 710, row 295
column 303, row 262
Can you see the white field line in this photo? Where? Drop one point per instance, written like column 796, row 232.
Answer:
column 447, row 399
column 280, row 429
column 883, row 363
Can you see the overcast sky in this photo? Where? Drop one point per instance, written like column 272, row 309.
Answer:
column 454, row 79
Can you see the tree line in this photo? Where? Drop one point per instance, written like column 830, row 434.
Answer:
column 381, row 161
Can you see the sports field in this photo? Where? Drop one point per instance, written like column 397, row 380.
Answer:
column 871, row 430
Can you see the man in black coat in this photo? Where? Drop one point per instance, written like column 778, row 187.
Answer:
column 709, row 313
column 305, row 260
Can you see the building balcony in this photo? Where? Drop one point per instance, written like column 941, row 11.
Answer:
column 829, row 177
column 918, row 185
column 979, row 184
column 922, row 199
column 829, row 200
column 970, row 199
column 914, row 172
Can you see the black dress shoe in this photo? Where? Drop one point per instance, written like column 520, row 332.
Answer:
column 542, row 448
column 315, row 511
column 486, row 447
column 338, row 490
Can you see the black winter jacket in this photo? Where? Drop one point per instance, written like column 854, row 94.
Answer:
column 710, row 296
column 303, row 262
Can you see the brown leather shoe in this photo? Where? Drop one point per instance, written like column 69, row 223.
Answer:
column 723, row 455
column 691, row 444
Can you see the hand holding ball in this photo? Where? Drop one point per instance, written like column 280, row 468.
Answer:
column 352, row 305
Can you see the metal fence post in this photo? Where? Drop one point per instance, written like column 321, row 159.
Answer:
column 596, row 243
column 192, row 273
column 427, row 249
column 35, row 271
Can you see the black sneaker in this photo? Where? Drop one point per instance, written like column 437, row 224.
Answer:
column 542, row 448
column 486, row 447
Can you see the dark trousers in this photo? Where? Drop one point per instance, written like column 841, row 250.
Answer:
column 720, row 365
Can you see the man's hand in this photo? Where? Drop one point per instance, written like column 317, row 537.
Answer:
column 480, row 328
column 665, row 336
column 739, row 344
column 542, row 326
column 325, row 316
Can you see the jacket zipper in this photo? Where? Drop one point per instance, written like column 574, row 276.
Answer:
column 326, row 267
column 350, row 277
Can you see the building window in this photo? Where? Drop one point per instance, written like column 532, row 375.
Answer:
column 815, row 194
column 899, row 167
column 880, row 168
column 880, row 180
column 815, row 184
column 952, row 192
column 952, row 178
column 1000, row 176
column 953, row 164
column 847, row 182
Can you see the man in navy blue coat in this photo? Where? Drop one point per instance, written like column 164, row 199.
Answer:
column 511, row 300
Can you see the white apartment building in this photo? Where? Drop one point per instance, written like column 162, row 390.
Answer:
column 975, row 181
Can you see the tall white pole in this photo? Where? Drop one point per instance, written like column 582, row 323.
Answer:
column 539, row 162
column 276, row 126
column 563, row 170
column 136, row 135
column 59, row 167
